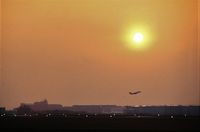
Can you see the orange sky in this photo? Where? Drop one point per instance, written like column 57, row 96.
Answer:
column 73, row 52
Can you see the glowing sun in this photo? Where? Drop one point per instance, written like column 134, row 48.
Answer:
column 138, row 37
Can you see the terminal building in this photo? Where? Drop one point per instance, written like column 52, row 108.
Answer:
column 164, row 110
column 98, row 109
column 2, row 110
column 43, row 106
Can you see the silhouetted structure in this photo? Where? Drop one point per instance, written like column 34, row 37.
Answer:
column 43, row 106
column 98, row 109
column 164, row 110
column 24, row 109
column 2, row 110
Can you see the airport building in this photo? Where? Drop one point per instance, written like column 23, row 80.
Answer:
column 98, row 109
column 164, row 110
column 2, row 110
column 43, row 106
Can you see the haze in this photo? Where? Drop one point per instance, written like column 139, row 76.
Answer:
column 72, row 52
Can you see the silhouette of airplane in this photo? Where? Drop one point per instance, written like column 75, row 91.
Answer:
column 133, row 93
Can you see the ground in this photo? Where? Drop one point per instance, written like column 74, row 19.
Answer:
column 108, row 122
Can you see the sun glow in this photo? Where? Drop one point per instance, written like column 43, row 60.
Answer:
column 138, row 37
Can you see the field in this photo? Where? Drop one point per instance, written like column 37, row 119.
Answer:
column 102, row 122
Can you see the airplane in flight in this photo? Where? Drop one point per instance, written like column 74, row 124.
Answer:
column 133, row 93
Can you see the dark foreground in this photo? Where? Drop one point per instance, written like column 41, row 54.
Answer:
column 108, row 122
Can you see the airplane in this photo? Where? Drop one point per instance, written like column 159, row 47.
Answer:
column 133, row 93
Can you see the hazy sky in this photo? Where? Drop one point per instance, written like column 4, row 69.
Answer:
column 75, row 52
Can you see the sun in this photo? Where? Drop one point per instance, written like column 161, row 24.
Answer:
column 138, row 37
